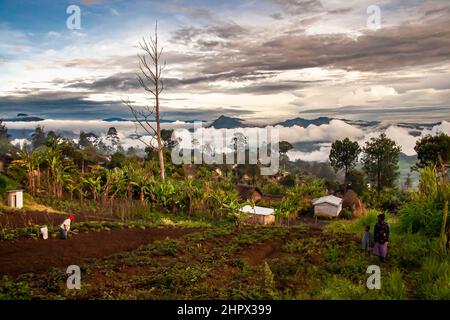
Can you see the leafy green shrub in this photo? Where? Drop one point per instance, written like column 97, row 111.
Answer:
column 425, row 211
column 166, row 247
column 272, row 188
column 288, row 266
column 294, row 246
column 388, row 199
column 346, row 214
column 14, row 290
column 421, row 216
column 7, row 184
column 244, row 267
column 369, row 219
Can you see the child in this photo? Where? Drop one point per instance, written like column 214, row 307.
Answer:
column 366, row 239
column 65, row 227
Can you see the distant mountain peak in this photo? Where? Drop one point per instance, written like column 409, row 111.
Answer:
column 302, row 122
column 224, row 122
column 115, row 119
column 23, row 117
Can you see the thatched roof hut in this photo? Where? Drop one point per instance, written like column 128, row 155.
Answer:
column 353, row 203
column 248, row 192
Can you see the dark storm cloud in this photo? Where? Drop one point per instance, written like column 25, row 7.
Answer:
column 407, row 45
column 60, row 105
column 69, row 105
column 116, row 82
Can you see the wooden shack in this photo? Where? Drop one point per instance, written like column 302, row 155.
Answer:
column 259, row 215
column 15, row 199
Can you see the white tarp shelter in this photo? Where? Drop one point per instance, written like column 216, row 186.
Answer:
column 257, row 214
column 15, row 199
column 328, row 205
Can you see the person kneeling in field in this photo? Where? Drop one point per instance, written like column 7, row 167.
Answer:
column 65, row 227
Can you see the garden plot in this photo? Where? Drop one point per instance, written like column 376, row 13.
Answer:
column 37, row 256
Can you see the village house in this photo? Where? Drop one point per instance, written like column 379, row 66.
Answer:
column 327, row 206
column 259, row 215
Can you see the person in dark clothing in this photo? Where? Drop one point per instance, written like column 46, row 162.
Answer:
column 381, row 237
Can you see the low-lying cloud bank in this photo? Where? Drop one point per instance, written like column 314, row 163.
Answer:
column 324, row 134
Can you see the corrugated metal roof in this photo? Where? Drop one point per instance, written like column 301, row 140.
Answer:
column 257, row 210
column 333, row 200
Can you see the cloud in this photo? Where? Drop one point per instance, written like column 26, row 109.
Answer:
column 321, row 136
column 336, row 129
column 320, row 155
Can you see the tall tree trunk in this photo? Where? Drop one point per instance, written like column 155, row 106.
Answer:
column 38, row 179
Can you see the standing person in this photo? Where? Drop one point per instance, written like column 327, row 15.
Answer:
column 366, row 240
column 381, row 237
column 65, row 227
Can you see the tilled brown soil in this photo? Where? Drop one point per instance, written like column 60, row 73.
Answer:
column 37, row 256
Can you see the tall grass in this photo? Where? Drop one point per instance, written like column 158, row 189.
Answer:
column 407, row 251
column 393, row 287
column 434, row 279
column 421, row 215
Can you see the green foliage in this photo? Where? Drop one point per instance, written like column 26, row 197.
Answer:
column 7, row 183
column 408, row 250
column 429, row 147
column 358, row 181
column 393, row 287
column 344, row 155
column 369, row 219
column 293, row 246
column 434, row 279
column 423, row 216
column 298, row 200
column 271, row 188
column 346, row 214
column 269, row 280
column 424, row 213
column 338, row 288
column 380, row 161
column 166, row 247
column 15, row 289
column 388, row 199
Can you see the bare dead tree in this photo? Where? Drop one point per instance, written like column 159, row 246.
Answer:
column 149, row 79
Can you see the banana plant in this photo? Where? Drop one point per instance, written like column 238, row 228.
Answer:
column 95, row 186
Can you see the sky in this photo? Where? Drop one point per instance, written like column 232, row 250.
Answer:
column 259, row 60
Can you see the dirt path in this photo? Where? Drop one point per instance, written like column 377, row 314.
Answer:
column 37, row 256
